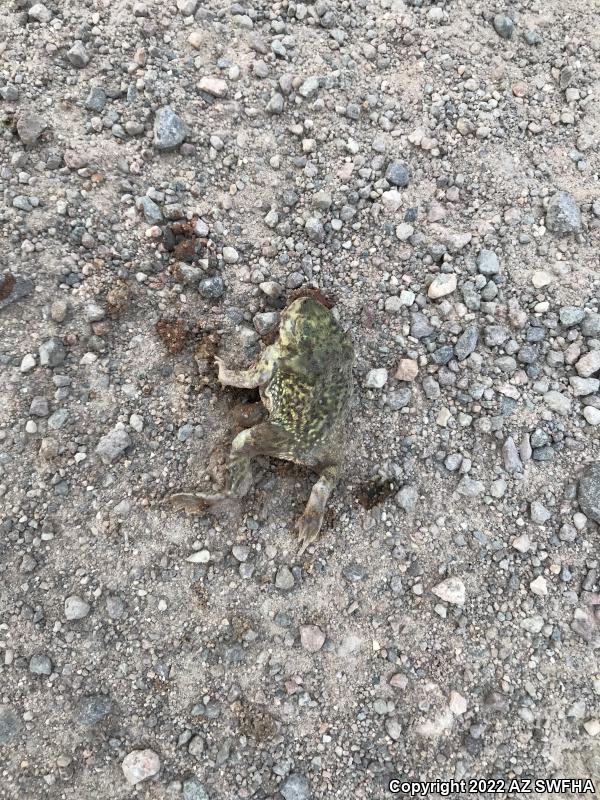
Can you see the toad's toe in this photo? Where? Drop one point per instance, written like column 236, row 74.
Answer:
column 194, row 503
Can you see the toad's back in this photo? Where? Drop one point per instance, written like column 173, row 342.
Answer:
column 309, row 394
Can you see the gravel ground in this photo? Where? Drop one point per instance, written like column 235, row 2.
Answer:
column 171, row 172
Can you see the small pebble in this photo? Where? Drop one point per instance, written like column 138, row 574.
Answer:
column 169, row 129
column 295, row 787
column 539, row 586
column 139, row 765
column 78, row 55
column 112, row 445
column 504, row 26
column 588, row 491
column 488, row 263
column 563, row 215
column 40, row 665
column 76, row 608
column 216, row 87
column 284, row 579
column 376, row 378
column 442, row 285
column 312, row 638
column 451, row 590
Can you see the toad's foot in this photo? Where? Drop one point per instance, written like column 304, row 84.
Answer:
column 308, row 526
column 195, row 503
column 222, row 370
column 311, row 520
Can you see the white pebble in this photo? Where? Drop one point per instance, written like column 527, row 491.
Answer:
column 391, row 200
column 376, row 378
column 230, row 255
column 540, row 278
column 136, row 422
column 28, row 363
column 457, row 703
column 592, row 415
column 404, row 231
column 199, row 557
column 312, row 638
column 579, row 520
column 216, row 87
column 522, row 543
column 76, row 608
column 139, row 765
column 539, row 586
column 441, row 285
column 452, row 590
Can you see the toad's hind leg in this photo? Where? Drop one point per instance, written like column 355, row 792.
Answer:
column 309, row 524
column 264, row 439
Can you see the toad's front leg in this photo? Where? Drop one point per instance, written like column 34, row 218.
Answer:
column 250, row 378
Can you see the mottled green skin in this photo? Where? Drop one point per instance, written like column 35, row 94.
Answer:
column 310, row 389
column 305, row 382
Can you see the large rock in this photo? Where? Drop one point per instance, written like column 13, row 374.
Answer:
column 296, row 787
column 76, row 608
column 441, row 285
column 314, row 229
column 376, row 378
column 467, row 342
column 397, row 174
column 39, row 13
column 139, row 765
column 113, row 444
column 151, row 211
column 588, row 492
column 52, row 353
column 504, row 26
column 187, row 8
column 194, row 790
column 96, row 99
column 312, row 638
column 557, row 402
column 212, row 288
column 30, row 127
column 78, row 55
column 591, row 324
column 563, row 215
column 40, row 664
column 93, row 709
column 488, row 263
column 309, row 87
column 510, row 454
column 215, row 87
column 588, row 364
column 452, row 590
column 169, row 129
